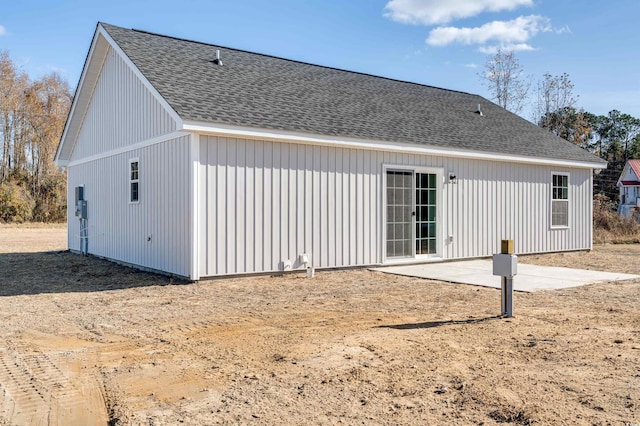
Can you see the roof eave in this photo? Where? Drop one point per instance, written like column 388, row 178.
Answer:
column 635, row 167
column 227, row 130
column 625, row 169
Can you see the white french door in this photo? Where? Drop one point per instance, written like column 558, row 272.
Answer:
column 412, row 226
column 400, row 210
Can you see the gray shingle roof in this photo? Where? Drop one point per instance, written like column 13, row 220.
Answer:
column 266, row 92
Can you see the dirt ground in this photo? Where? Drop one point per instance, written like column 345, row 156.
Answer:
column 84, row 341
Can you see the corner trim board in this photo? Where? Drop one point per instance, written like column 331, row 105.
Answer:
column 195, row 207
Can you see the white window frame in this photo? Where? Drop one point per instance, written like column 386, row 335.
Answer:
column 567, row 200
column 131, row 181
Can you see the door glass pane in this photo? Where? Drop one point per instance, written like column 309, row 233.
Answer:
column 426, row 205
column 432, row 213
column 424, row 181
column 432, row 198
column 399, row 209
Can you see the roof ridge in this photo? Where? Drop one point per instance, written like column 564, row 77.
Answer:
column 635, row 166
column 296, row 61
column 292, row 95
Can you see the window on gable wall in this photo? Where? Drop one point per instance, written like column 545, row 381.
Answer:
column 134, row 181
column 560, row 200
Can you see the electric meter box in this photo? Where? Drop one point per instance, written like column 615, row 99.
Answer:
column 79, row 193
column 81, row 209
column 81, row 203
column 505, row 265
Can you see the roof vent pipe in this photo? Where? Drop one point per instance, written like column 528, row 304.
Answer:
column 218, row 61
column 479, row 111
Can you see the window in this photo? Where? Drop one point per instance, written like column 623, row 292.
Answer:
column 134, row 188
column 560, row 201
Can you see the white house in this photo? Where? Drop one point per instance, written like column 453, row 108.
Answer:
column 629, row 184
column 200, row 160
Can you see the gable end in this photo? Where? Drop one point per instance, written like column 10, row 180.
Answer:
column 114, row 105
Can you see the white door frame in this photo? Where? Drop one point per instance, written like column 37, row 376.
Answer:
column 439, row 172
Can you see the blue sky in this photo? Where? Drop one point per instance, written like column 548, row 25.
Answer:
column 442, row 43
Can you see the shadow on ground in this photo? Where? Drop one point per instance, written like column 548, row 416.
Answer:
column 65, row 272
column 432, row 324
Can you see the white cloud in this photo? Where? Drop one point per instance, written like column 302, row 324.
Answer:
column 413, row 54
column 3, row 30
column 430, row 12
column 492, row 50
column 519, row 30
column 471, row 65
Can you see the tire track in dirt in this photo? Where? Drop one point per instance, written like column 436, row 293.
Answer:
column 23, row 402
column 37, row 392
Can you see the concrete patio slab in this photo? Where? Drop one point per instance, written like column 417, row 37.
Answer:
column 530, row 278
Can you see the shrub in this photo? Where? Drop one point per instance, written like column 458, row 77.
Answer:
column 51, row 202
column 16, row 202
column 609, row 226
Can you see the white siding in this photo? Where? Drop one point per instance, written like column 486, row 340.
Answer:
column 121, row 112
column 118, row 229
column 266, row 202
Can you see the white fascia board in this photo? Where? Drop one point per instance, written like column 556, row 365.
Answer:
column 313, row 139
column 140, row 76
column 74, row 103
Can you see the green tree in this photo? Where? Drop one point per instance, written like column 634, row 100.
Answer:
column 615, row 133
column 569, row 124
column 634, row 148
column 617, row 139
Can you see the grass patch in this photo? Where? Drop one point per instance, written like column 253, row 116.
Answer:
column 33, row 225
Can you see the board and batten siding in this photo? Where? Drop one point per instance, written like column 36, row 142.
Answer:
column 120, row 230
column 262, row 203
column 121, row 112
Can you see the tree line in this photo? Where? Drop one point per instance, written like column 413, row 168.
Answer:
column 32, row 117
column 614, row 137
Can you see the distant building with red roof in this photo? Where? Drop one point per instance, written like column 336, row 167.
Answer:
column 629, row 184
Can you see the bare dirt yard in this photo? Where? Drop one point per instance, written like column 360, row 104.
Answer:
column 84, row 341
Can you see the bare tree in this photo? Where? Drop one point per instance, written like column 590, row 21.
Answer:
column 9, row 95
column 505, row 79
column 32, row 116
column 554, row 110
column 554, row 93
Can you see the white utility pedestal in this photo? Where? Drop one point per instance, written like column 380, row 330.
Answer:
column 506, row 266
